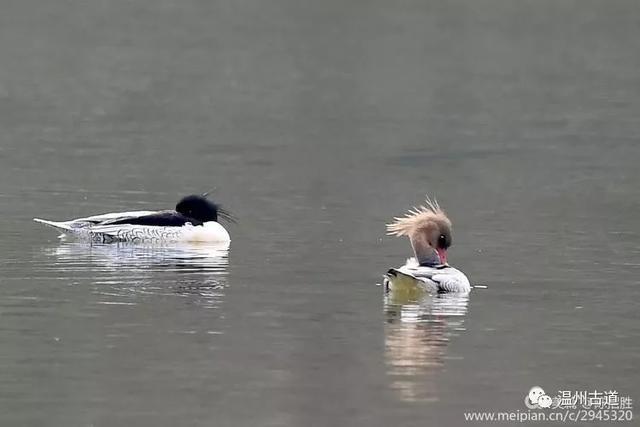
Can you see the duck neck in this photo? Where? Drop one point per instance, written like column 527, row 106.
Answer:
column 424, row 252
column 428, row 258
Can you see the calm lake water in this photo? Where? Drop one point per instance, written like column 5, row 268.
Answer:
column 316, row 122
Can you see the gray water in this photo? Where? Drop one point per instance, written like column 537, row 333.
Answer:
column 316, row 122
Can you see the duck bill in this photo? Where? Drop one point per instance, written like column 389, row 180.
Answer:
column 442, row 254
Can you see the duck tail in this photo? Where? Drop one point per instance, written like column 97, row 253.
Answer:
column 62, row 226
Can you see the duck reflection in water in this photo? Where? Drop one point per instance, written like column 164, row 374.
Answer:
column 194, row 270
column 417, row 333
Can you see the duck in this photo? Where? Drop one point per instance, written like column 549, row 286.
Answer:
column 429, row 231
column 194, row 219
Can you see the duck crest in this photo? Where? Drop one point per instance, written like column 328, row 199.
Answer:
column 418, row 219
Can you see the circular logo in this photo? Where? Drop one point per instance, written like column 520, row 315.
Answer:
column 536, row 398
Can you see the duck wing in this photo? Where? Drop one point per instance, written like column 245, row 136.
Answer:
column 155, row 226
column 451, row 280
column 154, row 219
column 432, row 279
column 113, row 216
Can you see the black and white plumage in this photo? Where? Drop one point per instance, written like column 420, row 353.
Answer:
column 431, row 279
column 429, row 231
column 195, row 219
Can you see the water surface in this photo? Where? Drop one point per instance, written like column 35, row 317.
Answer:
column 316, row 123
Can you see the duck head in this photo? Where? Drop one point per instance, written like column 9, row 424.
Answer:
column 429, row 231
column 202, row 209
